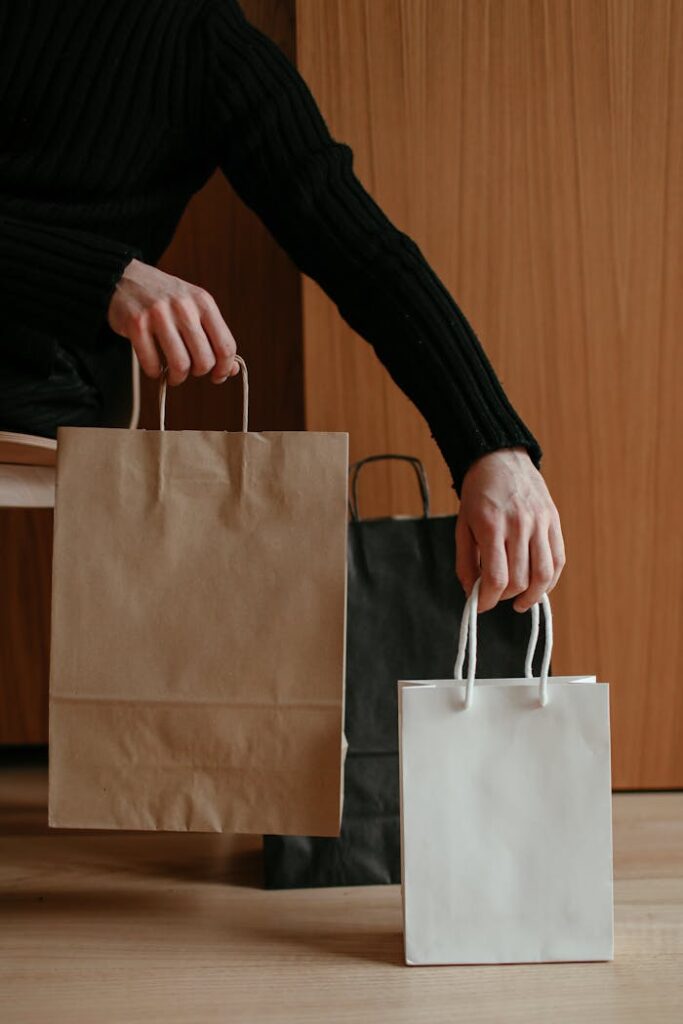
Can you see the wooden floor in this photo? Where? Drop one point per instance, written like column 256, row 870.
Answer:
column 125, row 927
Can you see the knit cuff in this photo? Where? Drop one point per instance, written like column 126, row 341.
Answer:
column 459, row 465
column 450, row 378
column 59, row 278
column 432, row 354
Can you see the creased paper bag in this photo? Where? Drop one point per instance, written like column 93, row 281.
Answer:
column 198, row 630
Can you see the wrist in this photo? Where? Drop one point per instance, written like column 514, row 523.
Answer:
column 513, row 455
column 131, row 268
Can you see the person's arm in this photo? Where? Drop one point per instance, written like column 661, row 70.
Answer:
column 58, row 279
column 264, row 129
column 273, row 145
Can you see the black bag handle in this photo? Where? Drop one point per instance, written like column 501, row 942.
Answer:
column 354, row 470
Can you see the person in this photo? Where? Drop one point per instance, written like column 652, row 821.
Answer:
column 113, row 115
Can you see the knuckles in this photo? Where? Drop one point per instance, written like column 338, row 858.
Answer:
column 157, row 312
column 495, row 580
column 487, row 524
column 202, row 365
column 179, row 365
column 182, row 304
column 518, row 583
column 203, row 299
column 137, row 321
column 543, row 576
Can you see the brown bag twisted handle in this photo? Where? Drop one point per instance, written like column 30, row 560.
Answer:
column 245, row 395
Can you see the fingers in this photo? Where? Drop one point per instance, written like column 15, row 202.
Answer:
column 188, row 324
column 466, row 555
column 547, row 559
column 161, row 313
column 171, row 344
column 220, row 337
column 142, row 341
column 194, row 339
column 517, row 538
column 507, row 513
column 514, row 565
column 155, row 330
column 556, row 542
column 541, row 571
column 494, row 564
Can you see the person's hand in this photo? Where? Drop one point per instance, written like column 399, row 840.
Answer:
column 159, row 313
column 508, row 531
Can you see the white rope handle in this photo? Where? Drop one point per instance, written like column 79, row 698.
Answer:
column 245, row 395
column 533, row 641
column 468, row 633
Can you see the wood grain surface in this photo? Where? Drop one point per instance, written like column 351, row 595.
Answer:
column 25, row 601
column 534, row 151
column 123, row 927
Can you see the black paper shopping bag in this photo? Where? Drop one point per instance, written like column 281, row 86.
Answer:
column 404, row 606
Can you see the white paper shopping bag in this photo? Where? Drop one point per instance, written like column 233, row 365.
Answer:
column 506, row 813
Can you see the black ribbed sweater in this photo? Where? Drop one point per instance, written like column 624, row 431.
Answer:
column 112, row 114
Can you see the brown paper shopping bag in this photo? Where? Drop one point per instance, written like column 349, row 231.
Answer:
column 198, row 629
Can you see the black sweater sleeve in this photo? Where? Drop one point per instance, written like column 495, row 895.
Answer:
column 274, row 147
column 56, row 278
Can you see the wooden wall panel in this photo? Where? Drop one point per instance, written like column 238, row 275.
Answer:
column 25, row 592
column 534, row 151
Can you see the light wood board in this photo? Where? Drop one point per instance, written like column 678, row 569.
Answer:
column 134, row 929
column 534, row 151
